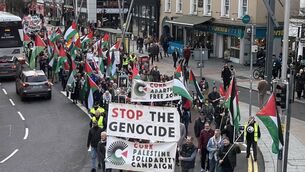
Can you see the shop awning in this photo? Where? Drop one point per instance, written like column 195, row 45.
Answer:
column 189, row 20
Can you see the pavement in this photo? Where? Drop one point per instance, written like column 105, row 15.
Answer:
column 211, row 71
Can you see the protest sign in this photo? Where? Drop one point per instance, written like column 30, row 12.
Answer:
column 143, row 122
column 152, row 91
column 125, row 155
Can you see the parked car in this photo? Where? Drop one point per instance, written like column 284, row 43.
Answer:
column 33, row 83
column 10, row 66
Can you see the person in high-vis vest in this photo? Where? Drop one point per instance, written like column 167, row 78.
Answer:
column 251, row 134
column 96, row 108
column 132, row 59
column 99, row 119
column 125, row 63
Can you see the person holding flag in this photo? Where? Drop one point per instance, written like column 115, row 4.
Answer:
column 252, row 134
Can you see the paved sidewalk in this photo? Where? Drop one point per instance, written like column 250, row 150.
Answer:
column 211, row 70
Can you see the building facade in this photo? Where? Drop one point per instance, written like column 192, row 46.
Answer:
column 217, row 25
column 145, row 18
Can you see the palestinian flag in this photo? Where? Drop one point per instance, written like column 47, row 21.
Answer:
column 53, row 61
column 116, row 46
column 180, row 89
column 222, row 91
column 92, row 88
column 84, row 89
column 26, row 39
column 178, row 72
column 71, row 31
column 56, row 35
column 62, row 57
column 87, row 39
column 88, row 69
column 105, row 40
column 269, row 116
column 39, row 46
column 101, row 65
column 232, row 103
column 135, row 72
column 193, row 80
column 71, row 81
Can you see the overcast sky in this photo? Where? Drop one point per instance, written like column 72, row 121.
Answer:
column 302, row 3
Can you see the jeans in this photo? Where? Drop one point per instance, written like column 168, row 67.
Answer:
column 93, row 157
column 204, row 153
column 213, row 165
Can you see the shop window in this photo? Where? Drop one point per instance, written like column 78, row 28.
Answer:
column 242, row 8
column 193, row 6
column 168, row 5
column 207, row 7
column 225, row 8
column 178, row 6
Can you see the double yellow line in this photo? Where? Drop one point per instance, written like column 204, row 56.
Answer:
column 252, row 165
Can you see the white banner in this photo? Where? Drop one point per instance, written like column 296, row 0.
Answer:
column 152, row 91
column 125, row 155
column 143, row 122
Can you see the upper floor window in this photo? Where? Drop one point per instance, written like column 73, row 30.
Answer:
column 168, row 5
column 207, row 10
column 193, row 6
column 178, row 6
column 242, row 8
column 225, row 8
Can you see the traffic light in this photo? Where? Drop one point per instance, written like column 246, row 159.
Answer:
column 280, row 94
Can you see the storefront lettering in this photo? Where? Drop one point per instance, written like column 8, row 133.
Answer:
column 278, row 33
column 220, row 29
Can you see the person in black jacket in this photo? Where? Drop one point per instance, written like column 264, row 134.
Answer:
column 188, row 155
column 199, row 125
column 101, row 151
column 227, row 160
column 226, row 76
column 175, row 56
column 94, row 137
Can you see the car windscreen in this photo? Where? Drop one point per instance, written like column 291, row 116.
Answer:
column 37, row 78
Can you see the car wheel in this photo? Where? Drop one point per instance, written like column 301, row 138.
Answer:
column 49, row 97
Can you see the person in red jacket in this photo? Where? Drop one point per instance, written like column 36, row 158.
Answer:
column 205, row 134
column 186, row 55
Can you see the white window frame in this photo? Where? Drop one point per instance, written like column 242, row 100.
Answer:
column 193, row 3
column 241, row 7
column 178, row 4
column 207, row 3
column 223, row 8
column 168, row 6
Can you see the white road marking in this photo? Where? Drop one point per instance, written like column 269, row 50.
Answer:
column 4, row 91
column 21, row 116
column 26, row 134
column 10, row 133
column 12, row 154
column 12, row 102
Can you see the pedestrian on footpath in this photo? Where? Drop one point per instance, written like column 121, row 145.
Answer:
column 186, row 55
column 205, row 136
column 188, row 155
column 94, row 137
column 101, row 152
column 299, row 85
column 251, row 134
column 226, row 76
column 214, row 145
column 175, row 56
column 262, row 91
column 227, row 156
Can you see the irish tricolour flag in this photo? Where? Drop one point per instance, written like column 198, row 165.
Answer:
column 268, row 115
column 72, row 30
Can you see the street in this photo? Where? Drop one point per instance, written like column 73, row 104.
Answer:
column 56, row 134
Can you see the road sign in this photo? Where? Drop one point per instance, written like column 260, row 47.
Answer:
column 246, row 19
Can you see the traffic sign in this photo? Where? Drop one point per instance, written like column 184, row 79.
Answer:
column 246, row 19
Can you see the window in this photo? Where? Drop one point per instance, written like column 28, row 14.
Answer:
column 193, row 6
column 207, row 7
column 242, row 8
column 225, row 8
column 178, row 6
column 168, row 5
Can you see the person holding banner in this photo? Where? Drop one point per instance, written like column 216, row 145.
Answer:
column 188, row 155
column 101, row 152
